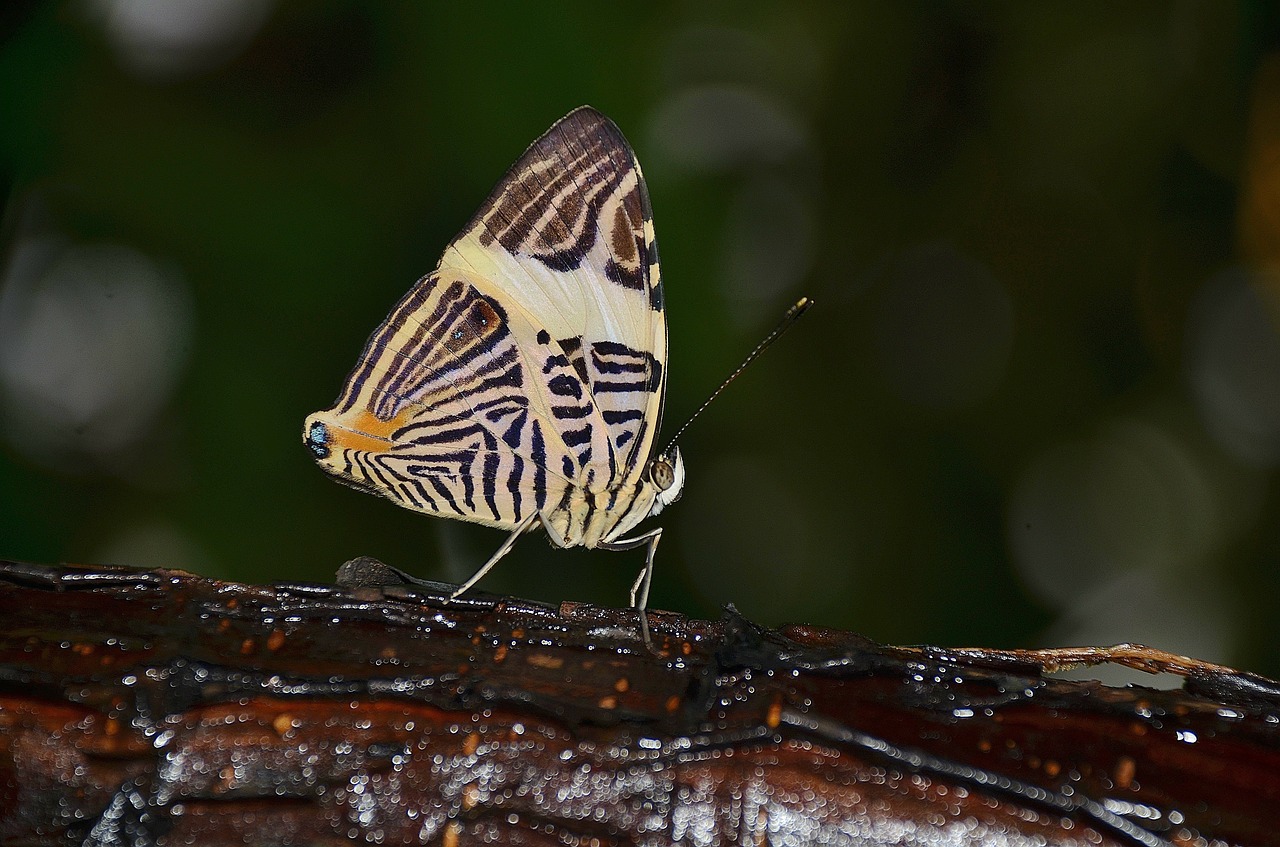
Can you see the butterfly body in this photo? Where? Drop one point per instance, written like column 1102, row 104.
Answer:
column 522, row 382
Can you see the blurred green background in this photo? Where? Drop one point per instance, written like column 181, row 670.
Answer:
column 1038, row 402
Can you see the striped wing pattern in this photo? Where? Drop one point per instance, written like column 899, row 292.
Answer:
column 448, row 410
column 569, row 232
column 526, row 374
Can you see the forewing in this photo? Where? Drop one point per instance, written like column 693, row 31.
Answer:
column 568, row 234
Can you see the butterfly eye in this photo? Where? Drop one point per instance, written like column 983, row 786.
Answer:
column 317, row 439
column 662, row 474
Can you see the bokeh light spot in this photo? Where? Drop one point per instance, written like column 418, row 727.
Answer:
column 1233, row 363
column 92, row 339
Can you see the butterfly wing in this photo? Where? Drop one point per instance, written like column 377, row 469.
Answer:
column 528, row 371
column 568, row 234
column 461, row 407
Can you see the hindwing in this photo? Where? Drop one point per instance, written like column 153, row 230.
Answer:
column 459, row 406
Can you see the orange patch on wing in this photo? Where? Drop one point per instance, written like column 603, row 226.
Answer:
column 364, row 431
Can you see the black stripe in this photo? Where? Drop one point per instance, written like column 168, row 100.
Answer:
column 620, row 367
column 468, row 482
column 422, row 493
column 626, row 277
column 448, row 436
column 577, row 437
column 513, row 485
column 512, row 435
column 608, row 387
column 426, row 498
column 615, row 348
column 489, row 484
column 512, row 377
column 570, row 412
column 425, row 469
column 403, row 433
column 373, row 469
column 443, row 491
column 518, row 234
column 513, row 399
column 640, row 436
column 572, row 347
column 655, row 372
column 407, row 494
column 539, row 467
column 563, row 506
column 565, row 386
column 376, row 475
column 553, row 362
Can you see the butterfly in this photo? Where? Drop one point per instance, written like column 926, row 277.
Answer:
column 521, row 383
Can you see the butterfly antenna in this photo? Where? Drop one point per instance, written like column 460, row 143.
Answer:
column 793, row 314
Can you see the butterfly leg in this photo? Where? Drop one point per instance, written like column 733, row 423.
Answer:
column 493, row 560
column 640, row 588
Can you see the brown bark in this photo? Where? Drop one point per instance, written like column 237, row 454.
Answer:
column 157, row 707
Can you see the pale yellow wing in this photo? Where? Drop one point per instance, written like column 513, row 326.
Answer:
column 568, row 235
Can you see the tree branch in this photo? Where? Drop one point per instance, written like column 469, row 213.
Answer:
column 148, row 707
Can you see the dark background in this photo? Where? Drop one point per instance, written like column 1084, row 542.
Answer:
column 1038, row 402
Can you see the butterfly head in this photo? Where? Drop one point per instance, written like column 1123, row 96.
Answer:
column 666, row 472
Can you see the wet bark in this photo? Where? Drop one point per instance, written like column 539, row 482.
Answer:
column 158, row 707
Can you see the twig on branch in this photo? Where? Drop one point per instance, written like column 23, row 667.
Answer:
column 156, row 707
